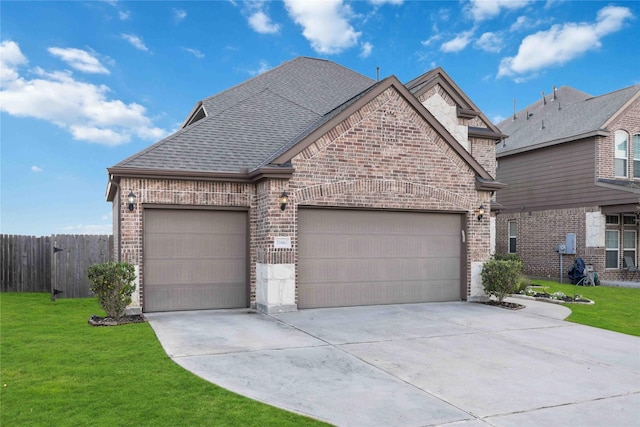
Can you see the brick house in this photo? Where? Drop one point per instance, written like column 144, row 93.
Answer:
column 311, row 186
column 572, row 166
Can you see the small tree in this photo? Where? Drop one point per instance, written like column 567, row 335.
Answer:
column 500, row 278
column 112, row 283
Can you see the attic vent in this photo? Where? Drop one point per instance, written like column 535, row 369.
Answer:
column 199, row 115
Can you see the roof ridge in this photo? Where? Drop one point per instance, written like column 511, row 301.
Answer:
column 262, row 75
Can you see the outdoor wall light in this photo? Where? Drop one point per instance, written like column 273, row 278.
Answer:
column 480, row 212
column 284, row 199
column 132, row 198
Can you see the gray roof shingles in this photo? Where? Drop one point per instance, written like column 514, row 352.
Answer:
column 571, row 115
column 247, row 124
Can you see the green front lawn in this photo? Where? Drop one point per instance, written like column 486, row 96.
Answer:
column 58, row 370
column 616, row 309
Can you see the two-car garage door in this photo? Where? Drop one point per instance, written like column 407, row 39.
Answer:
column 353, row 257
column 194, row 259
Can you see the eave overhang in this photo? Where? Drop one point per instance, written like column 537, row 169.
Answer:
column 488, row 184
column 598, row 132
column 619, row 184
column 242, row 176
column 485, row 133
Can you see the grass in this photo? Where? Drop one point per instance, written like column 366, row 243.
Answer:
column 58, row 370
column 615, row 309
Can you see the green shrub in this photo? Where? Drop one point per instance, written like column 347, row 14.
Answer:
column 112, row 283
column 500, row 278
column 522, row 284
column 508, row 257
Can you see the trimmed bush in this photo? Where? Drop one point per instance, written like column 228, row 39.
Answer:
column 500, row 278
column 112, row 283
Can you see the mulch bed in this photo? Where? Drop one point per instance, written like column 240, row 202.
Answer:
column 505, row 304
column 110, row 321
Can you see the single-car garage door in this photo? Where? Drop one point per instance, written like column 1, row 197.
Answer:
column 351, row 257
column 194, row 259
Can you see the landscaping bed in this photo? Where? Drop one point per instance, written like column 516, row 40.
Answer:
column 110, row 321
column 539, row 293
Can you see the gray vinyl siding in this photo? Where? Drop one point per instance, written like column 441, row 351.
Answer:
column 556, row 177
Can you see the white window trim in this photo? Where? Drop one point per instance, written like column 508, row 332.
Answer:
column 617, row 250
column 636, row 153
column 510, row 236
column 615, row 154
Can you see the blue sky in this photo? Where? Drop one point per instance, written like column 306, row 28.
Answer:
column 85, row 84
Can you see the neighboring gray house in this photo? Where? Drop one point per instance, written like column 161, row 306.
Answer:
column 311, row 186
column 571, row 163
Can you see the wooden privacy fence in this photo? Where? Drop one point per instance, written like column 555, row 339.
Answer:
column 40, row 264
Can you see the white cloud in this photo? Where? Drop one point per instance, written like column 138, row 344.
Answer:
column 83, row 109
column 194, row 52
column 79, row 59
column 179, row 15
column 124, row 15
column 366, row 50
column 325, row 24
column 458, row 43
column 262, row 24
column 430, row 40
column 36, row 169
column 381, row 2
column 490, row 42
column 135, row 41
column 262, row 68
column 563, row 43
column 10, row 58
column 482, row 10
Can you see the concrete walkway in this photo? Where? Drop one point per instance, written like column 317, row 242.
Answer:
column 450, row 364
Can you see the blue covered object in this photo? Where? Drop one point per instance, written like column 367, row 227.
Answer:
column 576, row 273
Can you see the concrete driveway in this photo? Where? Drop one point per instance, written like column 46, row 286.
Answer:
column 453, row 364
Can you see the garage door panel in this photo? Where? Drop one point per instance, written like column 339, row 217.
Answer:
column 377, row 257
column 380, row 293
column 194, row 260
column 382, row 245
column 194, row 297
column 188, row 245
column 181, row 272
column 193, row 222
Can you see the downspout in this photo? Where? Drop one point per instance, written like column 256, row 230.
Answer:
column 111, row 181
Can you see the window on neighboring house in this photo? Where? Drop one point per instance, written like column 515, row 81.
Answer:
column 612, row 243
column 622, row 153
column 613, row 219
column 513, row 230
column 636, row 155
column 629, row 245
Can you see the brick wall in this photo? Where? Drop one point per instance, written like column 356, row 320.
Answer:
column 628, row 121
column 368, row 161
column 383, row 156
column 539, row 232
column 172, row 192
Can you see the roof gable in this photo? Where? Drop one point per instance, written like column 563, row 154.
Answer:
column 327, row 123
column 465, row 107
column 566, row 115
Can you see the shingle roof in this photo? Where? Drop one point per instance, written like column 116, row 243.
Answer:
column 246, row 124
column 573, row 115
